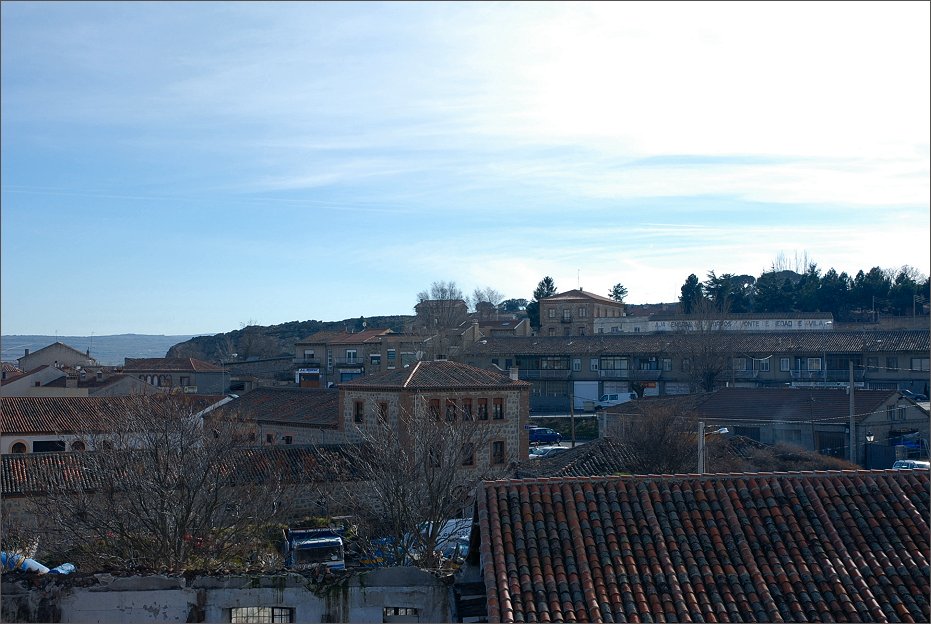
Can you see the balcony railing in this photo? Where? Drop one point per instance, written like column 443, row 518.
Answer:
column 525, row 373
column 348, row 362
column 827, row 375
column 611, row 373
column 646, row 375
column 566, row 319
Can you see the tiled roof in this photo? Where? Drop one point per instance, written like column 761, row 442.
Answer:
column 21, row 374
column 772, row 404
column 342, row 337
column 58, row 344
column 436, row 374
column 805, row 547
column 170, row 365
column 604, row 456
column 9, row 367
column 306, row 406
column 35, row 472
column 41, row 415
column 834, row 341
column 574, row 295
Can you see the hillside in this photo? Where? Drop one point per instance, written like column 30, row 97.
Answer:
column 262, row 342
column 107, row 350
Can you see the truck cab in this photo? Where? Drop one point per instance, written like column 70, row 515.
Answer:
column 305, row 548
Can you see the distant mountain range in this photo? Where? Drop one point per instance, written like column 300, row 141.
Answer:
column 107, row 350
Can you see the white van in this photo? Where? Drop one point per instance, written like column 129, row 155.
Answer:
column 607, row 400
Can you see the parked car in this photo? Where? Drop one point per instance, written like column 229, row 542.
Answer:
column 914, row 396
column 544, row 435
column 539, row 452
column 911, row 464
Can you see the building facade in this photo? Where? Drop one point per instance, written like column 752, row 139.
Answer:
column 575, row 313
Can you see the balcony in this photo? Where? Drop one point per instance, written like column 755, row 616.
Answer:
column 828, row 375
column 646, row 375
column 343, row 363
column 614, row 373
column 746, row 374
column 525, row 374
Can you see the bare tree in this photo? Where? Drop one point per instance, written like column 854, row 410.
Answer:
column 663, row 438
column 704, row 343
column 420, row 471
column 162, row 493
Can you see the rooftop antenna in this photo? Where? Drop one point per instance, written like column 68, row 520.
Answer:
column 578, row 281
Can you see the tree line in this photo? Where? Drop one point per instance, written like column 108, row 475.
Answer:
column 863, row 297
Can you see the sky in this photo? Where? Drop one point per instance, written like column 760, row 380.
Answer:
column 185, row 168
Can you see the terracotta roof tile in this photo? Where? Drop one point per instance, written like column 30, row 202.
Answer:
column 817, row 546
column 43, row 415
column 171, row 364
column 437, row 374
column 835, row 341
column 34, row 472
column 307, row 406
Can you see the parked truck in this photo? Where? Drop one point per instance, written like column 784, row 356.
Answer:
column 304, row 548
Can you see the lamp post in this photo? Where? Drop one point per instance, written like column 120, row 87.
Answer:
column 701, row 443
column 869, row 443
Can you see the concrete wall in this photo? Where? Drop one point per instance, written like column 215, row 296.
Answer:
column 353, row 597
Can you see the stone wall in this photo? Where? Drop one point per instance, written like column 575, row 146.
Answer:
column 367, row 596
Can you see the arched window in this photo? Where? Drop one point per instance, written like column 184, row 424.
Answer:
column 77, row 445
column 19, row 447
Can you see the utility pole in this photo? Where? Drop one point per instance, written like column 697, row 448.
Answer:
column 853, row 444
column 701, row 447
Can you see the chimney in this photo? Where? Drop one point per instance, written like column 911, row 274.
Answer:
column 514, row 373
column 27, row 353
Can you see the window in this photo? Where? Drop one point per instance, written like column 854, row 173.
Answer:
column 185, row 381
column 784, row 364
column 739, row 364
column 308, row 354
column 814, row 364
column 920, row 364
column 615, row 329
column 383, row 412
column 890, row 413
column 582, row 312
column 392, row 355
column 48, row 446
column 435, row 408
column 498, row 409
column 269, row 438
column 359, row 411
column 667, row 364
column 375, row 359
column 788, row 435
column 581, row 331
column 78, row 446
column 901, row 413
column 576, row 364
column 614, row 363
column 483, row 409
column 554, row 363
column 19, row 447
column 892, row 363
column 566, row 315
column 686, row 364
column 261, row 615
column 872, row 363
column 552, row 313
column 450, row 410
column 764, row 365
column 466, row 409
column 593, row 364
column 288, row 439
column 468, row 454
column 400, row 614
column 351, row 355
column 552, row 331
column 648, row 364
column 497, row 452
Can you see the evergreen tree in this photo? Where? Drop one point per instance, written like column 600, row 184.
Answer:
column 692, row 294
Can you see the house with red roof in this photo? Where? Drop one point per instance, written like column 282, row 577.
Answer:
column 286, row 415
column 841, row 546
column 462, row 395
column 809, row 418
column 188, row 375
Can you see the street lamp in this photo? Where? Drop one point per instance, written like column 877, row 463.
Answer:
column 869, row 442
column 701, row 443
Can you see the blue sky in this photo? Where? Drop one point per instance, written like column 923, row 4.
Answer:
column 185, row 168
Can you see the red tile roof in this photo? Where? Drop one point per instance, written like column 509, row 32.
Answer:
column 436, row 375
column 31, row 473
column 849, row 546
column 768, row 404
column 171, row 365
column 304, row 406
column 342, row 337
column 56, row 415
